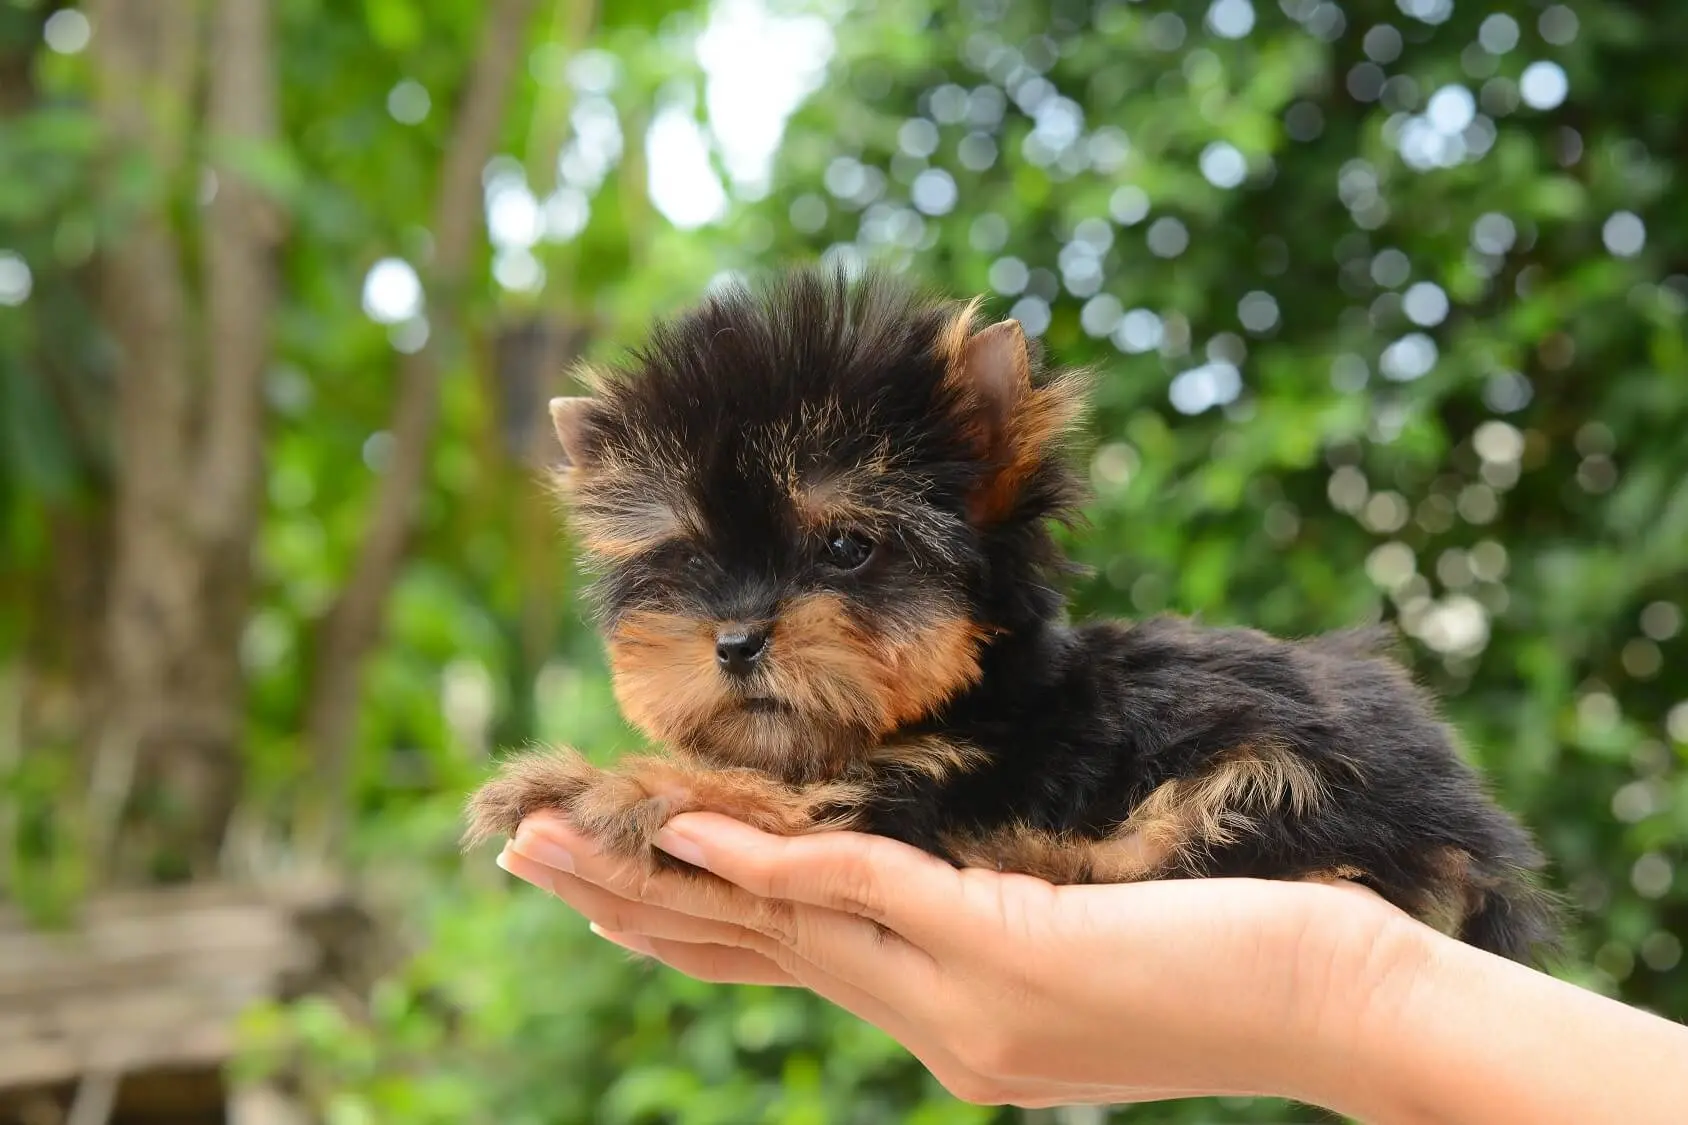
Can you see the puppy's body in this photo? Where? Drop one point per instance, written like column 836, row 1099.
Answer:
column 829, row 586
column 1220, row 752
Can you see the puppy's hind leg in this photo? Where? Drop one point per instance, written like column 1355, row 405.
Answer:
column 1176, row 831
column 1185, row 822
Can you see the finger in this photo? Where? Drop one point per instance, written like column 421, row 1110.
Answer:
column 552, row 841
column 735, row 965
column 809, row 943
column 899, row 887
column 717, row 964
column 609, row 911
column 1080, row 1094
column 841, row 944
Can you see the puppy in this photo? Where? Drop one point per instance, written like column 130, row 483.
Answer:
column 821, row 520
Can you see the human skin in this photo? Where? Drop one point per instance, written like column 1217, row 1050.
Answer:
column 1013, row 991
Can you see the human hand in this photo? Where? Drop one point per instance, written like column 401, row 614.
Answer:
column 1012, row 991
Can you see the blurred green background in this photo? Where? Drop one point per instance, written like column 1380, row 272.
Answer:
column 1388, row 295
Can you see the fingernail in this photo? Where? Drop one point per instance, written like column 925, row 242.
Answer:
column 681, row 848
column 543, row 851
column 527, row 870
column 629, row 942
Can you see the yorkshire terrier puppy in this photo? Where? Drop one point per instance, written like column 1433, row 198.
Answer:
column 821, row 517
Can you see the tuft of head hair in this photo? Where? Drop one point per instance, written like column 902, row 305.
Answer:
column 813, row 374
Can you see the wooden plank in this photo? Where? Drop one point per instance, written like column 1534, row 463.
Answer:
column 63, row 975
column 265, row 1105
column 300, row 893
column 145, row 980
column 208, row 1043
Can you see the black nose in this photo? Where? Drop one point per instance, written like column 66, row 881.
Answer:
column 738, row 649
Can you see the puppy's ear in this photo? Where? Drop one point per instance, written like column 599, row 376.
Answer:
column 1012, row 424
column 988, row 374
column 572, row 419
column 996, row 370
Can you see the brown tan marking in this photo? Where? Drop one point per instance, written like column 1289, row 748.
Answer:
column 571, row 418
column 619, row 507
column 1187, row 815
column 924, row 669
column 1447, row 905
column 619, row 502
column 662, row 669
column 952, row 342
column 794, row 748
column 1331, row 874
column 931, row 756
column 624, row 808
column 832, row 502
column 1166, row 832
column 840, row 496
column 989, row 373
column 1041, row 420
column 1058, row 858
column 844, row 686
column 618, row 526
column 824, row 662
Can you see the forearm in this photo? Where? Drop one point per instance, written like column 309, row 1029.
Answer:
column 1471, row 1039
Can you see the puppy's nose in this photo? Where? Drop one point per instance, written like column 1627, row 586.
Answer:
column 739, row 648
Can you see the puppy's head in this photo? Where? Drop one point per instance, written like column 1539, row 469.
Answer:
column 810, row 508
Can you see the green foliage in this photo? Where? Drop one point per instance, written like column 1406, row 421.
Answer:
column 1348, row 386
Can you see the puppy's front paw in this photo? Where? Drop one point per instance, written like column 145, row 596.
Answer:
column 526, row 784
column 624, row 809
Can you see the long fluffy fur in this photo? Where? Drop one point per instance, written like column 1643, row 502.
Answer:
column 939, row 689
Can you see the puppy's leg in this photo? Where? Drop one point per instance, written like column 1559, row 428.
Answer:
column 1185, row 821
column 1060, row 858
column 624, row 807
column 1171, row 832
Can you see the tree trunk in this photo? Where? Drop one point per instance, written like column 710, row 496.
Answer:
column 144, row 66
column 190, row 449
column 243, row 230
column 352, row 625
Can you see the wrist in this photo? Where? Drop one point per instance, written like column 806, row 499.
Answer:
column 1466, row 1037
column 1367, row 988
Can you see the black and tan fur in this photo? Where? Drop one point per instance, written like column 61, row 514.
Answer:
column 724, row 482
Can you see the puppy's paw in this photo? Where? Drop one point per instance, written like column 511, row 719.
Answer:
column 623, row 809
column 526, row 784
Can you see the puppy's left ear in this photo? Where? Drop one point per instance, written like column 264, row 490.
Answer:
column 1012, row 424
column 572, row 419
column 996, row 370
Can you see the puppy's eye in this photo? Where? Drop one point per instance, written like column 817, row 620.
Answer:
column 846, row 550
column 680, row 557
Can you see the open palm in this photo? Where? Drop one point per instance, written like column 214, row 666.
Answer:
column 1008, row 989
